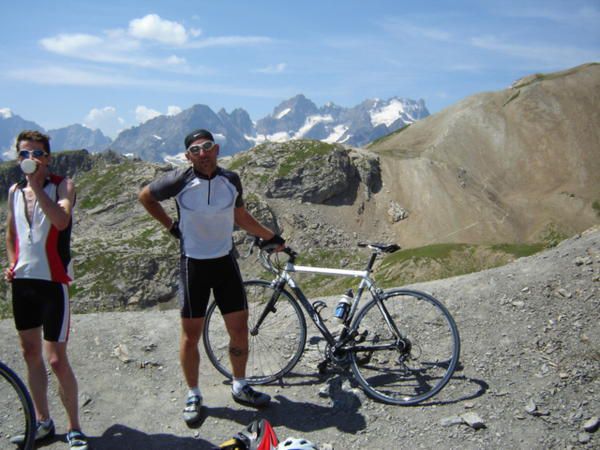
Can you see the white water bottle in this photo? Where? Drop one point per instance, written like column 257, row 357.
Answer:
column 343, row 306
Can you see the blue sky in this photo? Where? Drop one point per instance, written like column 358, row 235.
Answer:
column 113, row 64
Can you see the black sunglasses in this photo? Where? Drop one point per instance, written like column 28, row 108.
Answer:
column 35, row 153
column 205, row 146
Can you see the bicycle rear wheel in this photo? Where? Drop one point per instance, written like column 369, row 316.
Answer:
column 17, row 415
column 275, row 345
column 397, row 374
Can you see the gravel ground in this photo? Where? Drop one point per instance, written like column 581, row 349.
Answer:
column 529, row 375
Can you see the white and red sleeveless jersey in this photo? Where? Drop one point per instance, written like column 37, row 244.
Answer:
column 43, row 252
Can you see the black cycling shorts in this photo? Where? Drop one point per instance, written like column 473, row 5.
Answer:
column 38, row 303
column 197, row 277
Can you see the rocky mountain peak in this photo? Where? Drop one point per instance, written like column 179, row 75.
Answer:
column 160, row 138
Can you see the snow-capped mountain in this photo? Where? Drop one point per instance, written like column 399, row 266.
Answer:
column 10, row 126
column 161, row 138
column 299, row 118
column 67, row 138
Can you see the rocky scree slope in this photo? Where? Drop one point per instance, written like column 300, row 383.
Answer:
column 123, row 258
column 529, row 375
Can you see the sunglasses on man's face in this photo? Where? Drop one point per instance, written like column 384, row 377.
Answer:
column 206, row 146
column 36, row 153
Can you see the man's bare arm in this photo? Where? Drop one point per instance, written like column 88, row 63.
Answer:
column 247, row 222
column 154, row 207
column 11, row 235
column 58, row 212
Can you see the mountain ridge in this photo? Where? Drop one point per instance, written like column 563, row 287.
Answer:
column 160, row 138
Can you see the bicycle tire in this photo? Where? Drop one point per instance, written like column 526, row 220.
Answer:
column 274, row 349
column 17, row 415
column 406, row 378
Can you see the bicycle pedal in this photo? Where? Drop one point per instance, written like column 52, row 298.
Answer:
column 322, row 367
column 361, row 337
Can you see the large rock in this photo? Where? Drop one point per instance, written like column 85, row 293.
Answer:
column 309, row 171
column 317, row 179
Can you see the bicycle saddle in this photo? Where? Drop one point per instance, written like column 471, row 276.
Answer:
column 386, row 248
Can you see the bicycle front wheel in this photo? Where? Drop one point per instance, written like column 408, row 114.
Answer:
column 17, row 416
column 411, row 347
column 277, row 334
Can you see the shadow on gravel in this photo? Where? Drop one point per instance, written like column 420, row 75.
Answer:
column 121, row 437
column 300, row 416
column 480, row 386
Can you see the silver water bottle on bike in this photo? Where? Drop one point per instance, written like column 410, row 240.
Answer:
column 343, row 306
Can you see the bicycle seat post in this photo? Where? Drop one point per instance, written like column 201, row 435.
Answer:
column 372, row 259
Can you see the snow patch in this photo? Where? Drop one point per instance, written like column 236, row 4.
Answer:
column 220, row 138
column 258, row 139
column 282, row 136
column 336, row 134
column 9, row 155
column 311, row 121
column 177, row 160
column 345, row 139
column 388, row 114
column 283, row 113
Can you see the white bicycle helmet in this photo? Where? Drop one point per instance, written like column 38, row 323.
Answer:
column 296, row 444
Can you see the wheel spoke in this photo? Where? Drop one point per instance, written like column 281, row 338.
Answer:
column 276, row 346
column 411, row 374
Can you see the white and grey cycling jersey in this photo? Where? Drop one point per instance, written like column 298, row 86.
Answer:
column 205, row 206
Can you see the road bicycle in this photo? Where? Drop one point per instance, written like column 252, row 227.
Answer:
column 402, row 345
column 17, row 415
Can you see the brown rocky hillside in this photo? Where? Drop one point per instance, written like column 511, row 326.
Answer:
column 504, row 166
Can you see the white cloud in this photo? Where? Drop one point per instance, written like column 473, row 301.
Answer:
column 136, row 45
column 154, row 28
column 70, row 44
column 175, row 60
column 273, row 69
column 114, row 47
column 537, row 53
column 401, row 28
column 568, row 15
column 105, row 119
column 173, row 110
column 53, row 75
column 230, row 41
column 5, row 113
column 144, row 114
column 70, row 76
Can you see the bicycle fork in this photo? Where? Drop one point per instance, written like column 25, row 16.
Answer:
column 269, row 308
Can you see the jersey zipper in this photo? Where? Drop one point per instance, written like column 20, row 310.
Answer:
column 29, row 219
column 209, row 191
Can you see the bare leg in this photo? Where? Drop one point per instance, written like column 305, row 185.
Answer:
column 56, row 353
column 189, row 355
column 237, row 327
column 37, row 378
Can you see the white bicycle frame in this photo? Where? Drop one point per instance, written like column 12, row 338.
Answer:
column 284, row 275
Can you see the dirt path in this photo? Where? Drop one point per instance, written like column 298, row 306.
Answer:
column 530, row 372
